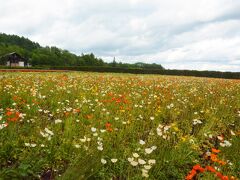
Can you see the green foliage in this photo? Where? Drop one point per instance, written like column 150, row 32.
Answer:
column 55, row 58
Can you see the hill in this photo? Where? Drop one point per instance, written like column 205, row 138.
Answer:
column 54, row 56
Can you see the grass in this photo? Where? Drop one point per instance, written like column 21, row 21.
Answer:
column 69, row 125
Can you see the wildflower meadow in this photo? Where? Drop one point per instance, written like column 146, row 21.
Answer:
column 72, row 125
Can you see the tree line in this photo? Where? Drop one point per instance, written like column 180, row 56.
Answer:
column 56, row 58
column 53, row 56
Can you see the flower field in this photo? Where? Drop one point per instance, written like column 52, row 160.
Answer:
column 71, row 125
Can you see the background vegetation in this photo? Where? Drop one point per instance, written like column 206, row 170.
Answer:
column 55, row 58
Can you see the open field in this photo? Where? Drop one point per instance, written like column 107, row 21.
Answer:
column 70, row 125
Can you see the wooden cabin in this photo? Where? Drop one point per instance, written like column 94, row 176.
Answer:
column 15, row 60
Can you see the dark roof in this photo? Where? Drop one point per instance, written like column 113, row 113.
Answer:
column 13, row 53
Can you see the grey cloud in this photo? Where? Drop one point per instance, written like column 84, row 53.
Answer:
column 174, row 32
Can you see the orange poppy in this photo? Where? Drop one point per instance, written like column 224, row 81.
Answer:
column 9, row 113
column 108, row 126
column 191, row 175
column 214, row 157
column 197, row 167
column 215, row 150
column 211, row 169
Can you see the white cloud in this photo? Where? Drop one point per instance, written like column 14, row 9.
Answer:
column 186, row 34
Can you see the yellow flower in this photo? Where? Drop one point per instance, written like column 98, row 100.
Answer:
column 184, row 138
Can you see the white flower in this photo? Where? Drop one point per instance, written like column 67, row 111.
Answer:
column 145, row 175
column 154, row 147
column 232, row 133
column 135, row 155
column 166, row 128
column 227, row 143
column 147, row 167
column 141, row 161
column 58, row 121
column 95, row 134
column 100, row 148
column 48, row 131
column 99, row 139
column 114, row 160
column 144, row 171
column 84, row 139
column 43, row 134
column 222, row 144
column 134, row 163
column 148, row 150
column 142, row 142
column 152, row 118
column 103, row 161
column 42, row 145
column 27, row 144
column 3, row 126
column 33, row 145
column 93, row 129
column 130, row 159
column 196, row 121
column 77, row 145
column 102, row 130
column 159, row 132
column 164, row 136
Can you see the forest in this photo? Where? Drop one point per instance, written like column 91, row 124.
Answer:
column 54, row 56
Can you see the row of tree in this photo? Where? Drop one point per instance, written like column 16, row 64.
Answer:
column 53, row 56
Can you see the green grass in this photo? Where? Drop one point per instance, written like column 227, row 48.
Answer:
column 56, row 125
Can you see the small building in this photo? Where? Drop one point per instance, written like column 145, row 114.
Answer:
column 14, row 60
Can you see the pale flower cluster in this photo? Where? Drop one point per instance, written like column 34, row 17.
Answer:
column 47, row 133
column 163, row 131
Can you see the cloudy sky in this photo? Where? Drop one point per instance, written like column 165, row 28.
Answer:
column 179, row 34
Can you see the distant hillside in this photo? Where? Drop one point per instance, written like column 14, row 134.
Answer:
column 53, row 56
column 18, row 41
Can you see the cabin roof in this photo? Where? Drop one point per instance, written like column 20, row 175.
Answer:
column 13, row 53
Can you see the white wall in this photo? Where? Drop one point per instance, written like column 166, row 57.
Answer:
column 8, row 63
column 21, row 63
